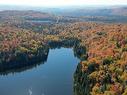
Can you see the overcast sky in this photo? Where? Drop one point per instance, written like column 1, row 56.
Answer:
column 47, row 3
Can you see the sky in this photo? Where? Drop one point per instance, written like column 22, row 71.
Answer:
column 46, row 3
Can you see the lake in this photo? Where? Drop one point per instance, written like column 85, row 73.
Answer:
column 54, row 77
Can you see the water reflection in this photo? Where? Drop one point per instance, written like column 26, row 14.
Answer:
column 21, row 66
column 82, row 84
column 55, row 77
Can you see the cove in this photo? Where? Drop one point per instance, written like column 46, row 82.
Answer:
column 52, row 77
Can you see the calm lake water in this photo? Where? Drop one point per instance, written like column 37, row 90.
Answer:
column 54, row 77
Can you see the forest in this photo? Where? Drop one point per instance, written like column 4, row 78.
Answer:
column 26, row 36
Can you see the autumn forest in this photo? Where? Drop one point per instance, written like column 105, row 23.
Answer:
column 98, row 39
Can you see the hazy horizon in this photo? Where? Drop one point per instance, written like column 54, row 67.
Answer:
column 60, row 3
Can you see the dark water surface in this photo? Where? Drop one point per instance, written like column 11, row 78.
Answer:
column 54, row 77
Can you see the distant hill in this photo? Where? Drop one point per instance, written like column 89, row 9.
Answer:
column 117, row 14
column 29, row 13
column 120, row 11
column 74, row 10
column 103, row 11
